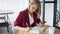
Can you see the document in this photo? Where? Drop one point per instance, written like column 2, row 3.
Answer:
column 37, row 29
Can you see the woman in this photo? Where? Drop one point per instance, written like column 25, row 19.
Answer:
column 29, row 17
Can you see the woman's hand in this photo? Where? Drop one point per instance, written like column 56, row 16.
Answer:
column 41, row 24
column 27, row 29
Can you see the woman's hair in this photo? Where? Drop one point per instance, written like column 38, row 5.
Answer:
column 38, row 12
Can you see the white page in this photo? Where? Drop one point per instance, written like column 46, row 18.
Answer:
column 37, row 29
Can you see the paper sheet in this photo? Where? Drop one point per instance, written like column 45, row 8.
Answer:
column 37, row 29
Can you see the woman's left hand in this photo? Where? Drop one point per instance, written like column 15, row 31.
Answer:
column 41, row 24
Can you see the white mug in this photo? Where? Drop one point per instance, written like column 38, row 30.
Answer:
column 50, row 30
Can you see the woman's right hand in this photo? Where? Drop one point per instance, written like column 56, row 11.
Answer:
column 27, row 29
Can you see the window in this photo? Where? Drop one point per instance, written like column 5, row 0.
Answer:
column 48, row 11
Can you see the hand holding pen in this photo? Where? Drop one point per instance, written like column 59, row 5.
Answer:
column 27, row 28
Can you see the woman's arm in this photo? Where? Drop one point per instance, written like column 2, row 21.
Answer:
column 17, row 24
column 21, row 28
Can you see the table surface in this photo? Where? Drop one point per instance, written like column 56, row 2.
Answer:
column 6, row 13
column 57, row 31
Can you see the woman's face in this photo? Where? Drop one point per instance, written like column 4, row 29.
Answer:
column 33, row 8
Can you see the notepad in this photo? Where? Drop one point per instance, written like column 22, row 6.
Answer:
column 37, row 29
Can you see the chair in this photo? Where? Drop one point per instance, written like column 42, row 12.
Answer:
column 4, row 24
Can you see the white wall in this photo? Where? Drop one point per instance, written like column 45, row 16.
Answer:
column 18, row 5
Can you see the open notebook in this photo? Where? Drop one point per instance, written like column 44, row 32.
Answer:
column 37, row 29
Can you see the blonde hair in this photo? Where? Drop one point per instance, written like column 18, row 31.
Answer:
column 39, row 9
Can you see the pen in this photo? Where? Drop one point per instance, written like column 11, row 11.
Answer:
column 27, row 25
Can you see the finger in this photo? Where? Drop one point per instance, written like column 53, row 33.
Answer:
column 44, row 21
column 41, row 23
